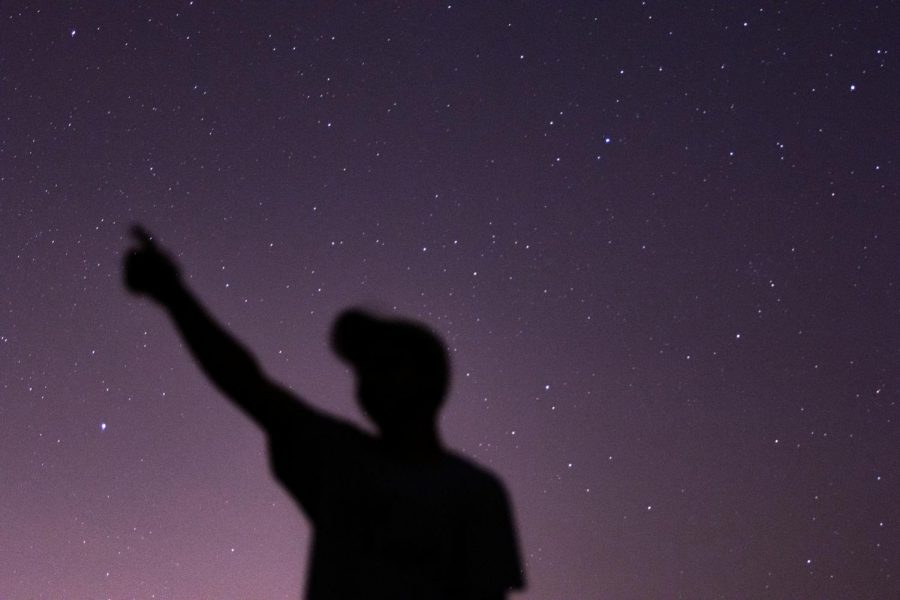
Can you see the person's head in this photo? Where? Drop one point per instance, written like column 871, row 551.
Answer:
column 402, row 369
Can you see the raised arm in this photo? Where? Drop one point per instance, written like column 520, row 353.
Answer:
column 151, row 272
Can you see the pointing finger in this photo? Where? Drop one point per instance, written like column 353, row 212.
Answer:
column 142, row 235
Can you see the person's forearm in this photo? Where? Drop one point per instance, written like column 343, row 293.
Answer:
column 224, row 360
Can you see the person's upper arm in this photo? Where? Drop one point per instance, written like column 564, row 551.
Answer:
column 306, row 447
column 494, row 562
column 279, row 411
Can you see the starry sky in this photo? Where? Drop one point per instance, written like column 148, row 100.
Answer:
column 659, row 238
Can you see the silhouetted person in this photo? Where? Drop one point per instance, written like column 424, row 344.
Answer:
column 394, row 516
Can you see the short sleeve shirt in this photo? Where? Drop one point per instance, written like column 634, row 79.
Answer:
column 392, row 526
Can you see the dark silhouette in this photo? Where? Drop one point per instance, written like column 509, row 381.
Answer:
column 395, row 516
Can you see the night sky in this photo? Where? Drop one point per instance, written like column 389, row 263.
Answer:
column 659, row 238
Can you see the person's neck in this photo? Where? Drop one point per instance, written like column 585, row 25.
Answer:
column 418, row 440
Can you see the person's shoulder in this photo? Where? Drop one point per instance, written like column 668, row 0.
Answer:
column 474, row 476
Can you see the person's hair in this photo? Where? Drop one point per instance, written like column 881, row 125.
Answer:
column 404, row 358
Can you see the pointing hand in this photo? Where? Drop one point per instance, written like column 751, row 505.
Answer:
column 148, row 270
